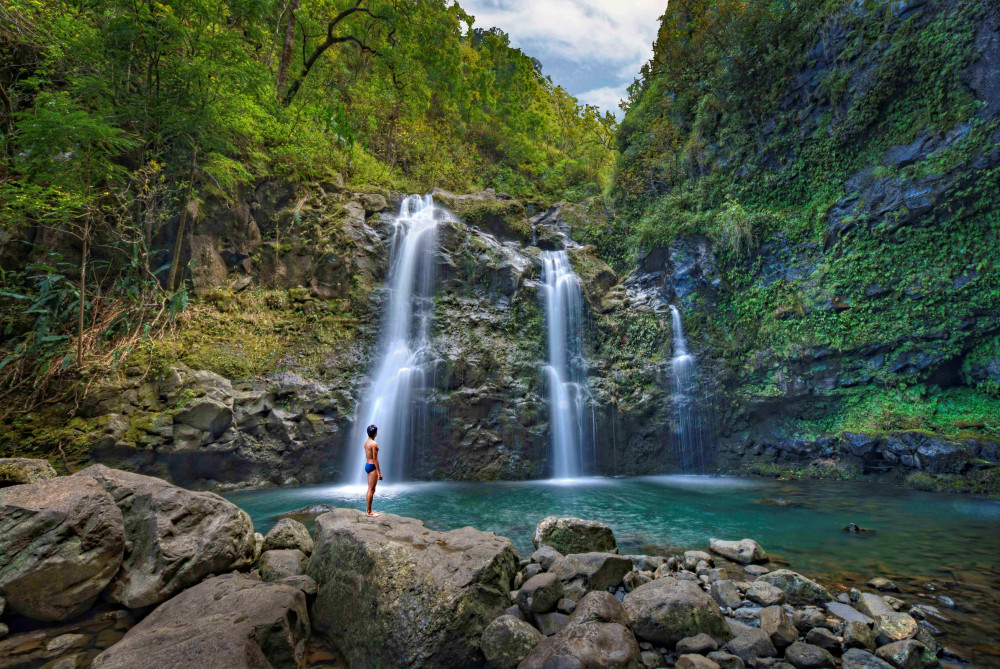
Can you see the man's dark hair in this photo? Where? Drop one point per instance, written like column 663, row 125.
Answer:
column 372, row 431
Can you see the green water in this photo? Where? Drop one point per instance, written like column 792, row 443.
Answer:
column 929, row 543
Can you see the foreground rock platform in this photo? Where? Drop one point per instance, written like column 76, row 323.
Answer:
column 393, row 593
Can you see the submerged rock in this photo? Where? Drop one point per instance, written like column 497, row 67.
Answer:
column 61, row 543
column 574, row 535
column 227, row 622
column 177, row 537
column 427, row 596
column 667, row 610
column 744, row 551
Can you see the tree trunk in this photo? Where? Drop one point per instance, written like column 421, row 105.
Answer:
column 286, row 49
column 175, row 261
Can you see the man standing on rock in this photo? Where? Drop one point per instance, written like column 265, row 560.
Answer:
column 372, row 468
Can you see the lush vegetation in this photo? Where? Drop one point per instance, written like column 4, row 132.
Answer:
column 118, row 119
column 781, row 133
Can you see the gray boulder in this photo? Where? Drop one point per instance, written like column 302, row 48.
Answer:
column 227, row 622
column 595, row 637
column 893, row 627
column 798, row 589
column 592, row 571
column 539, row 594
column 699, row 644
column 508, row 640
column 806, row 656
column 276, row 565
column 667, row 610
column 765, row 594
column 752, row 644
column 177, row 537
column 872, row 605
column 858, row 635
column 427, row 596
column 21, row 471
column 725, row 594
column 855, row 658
column 775, row 623
column 744, row 551
column 545, row 557
column 287, row 534
column 726, row 660
column 61, row 543
column 903, row 654
column 574, row 535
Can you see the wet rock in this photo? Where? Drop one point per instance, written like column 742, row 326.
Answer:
column 856, row 658
column 595, row 636
column 748, row 615
column 574, row 535
column 806, row 656
column 177, row 537
column 61, row 543
column 752, row 644
column 903, row 654
column 893, row 627
column 288, row 534
column 695, row 662
column 276, row 565
column 824, row 638
column 765, row 594
column 725, row 594
column 744, row 551
column 593, row 571
column 550, row 623
column 699, row 644
column 858, row 635
column 545, row 557
column 798, row 589
column 507, row 641
column 883, row 584
column 775, row 623
column 20, row 471
column 427, row 595
column 227, row 622
column 666, row 610
column 726, row 660
column 539, row 593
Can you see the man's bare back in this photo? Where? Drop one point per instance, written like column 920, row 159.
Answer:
column 372, row 468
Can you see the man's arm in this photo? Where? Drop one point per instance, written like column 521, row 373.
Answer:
column 378, row 467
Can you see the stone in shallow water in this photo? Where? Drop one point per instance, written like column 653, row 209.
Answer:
column 666, row 610
column 894, row 627
column 798, row 589
column 744, row 551
column 755, row 570
column 507, row 641
column 427, row 595
column 882, row 583
column 574, row 535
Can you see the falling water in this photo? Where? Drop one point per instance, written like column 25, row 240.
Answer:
column 392, row 401
column 691, row 434
column 567, row 368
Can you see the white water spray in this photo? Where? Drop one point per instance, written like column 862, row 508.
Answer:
column 691, row 435
column 392, row 400
column 567, row 369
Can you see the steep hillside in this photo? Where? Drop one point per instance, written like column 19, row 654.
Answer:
column 818, row 184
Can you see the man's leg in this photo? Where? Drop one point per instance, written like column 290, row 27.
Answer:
column 372, row 480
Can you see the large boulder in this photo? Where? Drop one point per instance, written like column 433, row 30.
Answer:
column 507, row 641
column 227, row 622
column 667, row 610
column 592, row 571
column 798, row 589
column 744, row 551
column 595, row 637
column 175, row 537
column 426, row 596
column 574, row 535
column 19, row 471
column 61, row 543
column 288, row 534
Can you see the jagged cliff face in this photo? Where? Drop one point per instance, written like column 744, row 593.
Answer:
column 834, row 255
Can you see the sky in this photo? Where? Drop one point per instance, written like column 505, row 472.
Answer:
column 592, row 48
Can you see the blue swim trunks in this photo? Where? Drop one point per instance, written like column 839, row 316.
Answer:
column 369, row 468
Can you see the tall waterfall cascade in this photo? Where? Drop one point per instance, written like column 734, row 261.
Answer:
column 691, row 434
column 569, row 394
column 392, row 401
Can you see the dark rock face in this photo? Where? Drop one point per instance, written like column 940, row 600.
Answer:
column 428, row 596
column 176, row 537
column 61, row 543
column 227, row 622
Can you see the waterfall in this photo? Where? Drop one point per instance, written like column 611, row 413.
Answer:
column 691, row 432
column 392, row 401
column 567, row 369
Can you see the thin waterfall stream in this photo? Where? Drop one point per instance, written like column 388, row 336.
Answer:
column 691, row 432
column 392, row 401
column 567, row 369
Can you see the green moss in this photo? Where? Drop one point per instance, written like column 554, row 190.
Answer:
column 820, row 469
column 980, row 482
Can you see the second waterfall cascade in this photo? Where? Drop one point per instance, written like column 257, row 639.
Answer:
column 392, row 401
column 692, row 437
column 569, row 395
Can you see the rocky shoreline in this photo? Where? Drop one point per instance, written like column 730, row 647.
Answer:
column 106, row 568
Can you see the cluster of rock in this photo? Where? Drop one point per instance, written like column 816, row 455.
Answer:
column 699, row 610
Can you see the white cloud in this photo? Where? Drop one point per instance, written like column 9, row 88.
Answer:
column 607, row 40
column 605, row 97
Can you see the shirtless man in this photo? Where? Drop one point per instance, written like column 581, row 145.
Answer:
column 372, row 468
